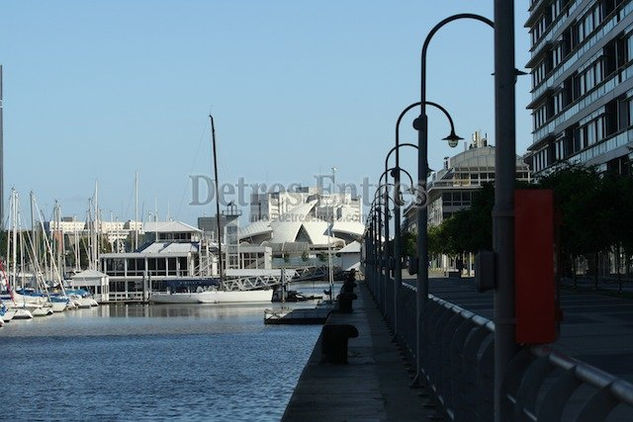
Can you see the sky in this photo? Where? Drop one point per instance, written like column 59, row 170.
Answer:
column 95, row 91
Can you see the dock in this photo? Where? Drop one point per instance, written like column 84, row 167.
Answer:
column 372, row 386
column 298, row 316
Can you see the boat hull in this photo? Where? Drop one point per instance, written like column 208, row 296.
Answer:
column 8, row 315
column 217, row 297
column 58, row 306
column 22, row 314
column 42, row 312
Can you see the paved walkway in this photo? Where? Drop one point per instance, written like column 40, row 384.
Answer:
column 596, row 329
column 372, row 387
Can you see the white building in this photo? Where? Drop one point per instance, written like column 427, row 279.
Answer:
column 172, row 250
column 452, row 188
column 350, row 256
column 304, row 216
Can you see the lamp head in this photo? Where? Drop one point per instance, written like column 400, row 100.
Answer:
column 453, row 139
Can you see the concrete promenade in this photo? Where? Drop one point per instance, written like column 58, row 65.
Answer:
column 373, row 386
column 596, row 328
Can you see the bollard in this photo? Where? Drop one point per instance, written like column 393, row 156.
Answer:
column 334, row 342
column 345, row 300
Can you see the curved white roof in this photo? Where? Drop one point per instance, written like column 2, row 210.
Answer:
column 284, row 231
column 298, row 223
column 353, row 247
column 348, row 227
column 256, row 228
column 317, row 232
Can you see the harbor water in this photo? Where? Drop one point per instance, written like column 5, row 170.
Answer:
column 152, row 362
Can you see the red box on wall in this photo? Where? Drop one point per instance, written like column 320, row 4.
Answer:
column 536, row 291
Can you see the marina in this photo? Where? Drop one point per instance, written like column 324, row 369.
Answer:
column 142, row 362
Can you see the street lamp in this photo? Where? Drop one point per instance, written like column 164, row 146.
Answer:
column 421, row 125
column 383, row 263
column 453, row 139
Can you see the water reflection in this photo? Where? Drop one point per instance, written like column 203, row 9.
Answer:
column 137, row 319
column 153, row 362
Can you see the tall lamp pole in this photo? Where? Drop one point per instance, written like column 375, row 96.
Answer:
column 452, row 139
column 503, row 211
column 421, row 125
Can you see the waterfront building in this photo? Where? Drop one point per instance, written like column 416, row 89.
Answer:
column 303, row 219
column 582, row 84
column 452, row 188
column 95, row 282
column 350, row 256
column 172, row 250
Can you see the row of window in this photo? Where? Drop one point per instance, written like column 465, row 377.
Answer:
column 574, row 35
column 614, row 56
column 459, row 198
column 155, row 266
column 545, row 20
column 616, row 116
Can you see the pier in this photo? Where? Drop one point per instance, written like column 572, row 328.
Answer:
column 374, row 385
column 586, row 373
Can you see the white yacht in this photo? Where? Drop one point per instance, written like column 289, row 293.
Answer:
column 214, row 296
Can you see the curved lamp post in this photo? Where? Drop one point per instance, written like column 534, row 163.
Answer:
column 505, row 75
column 453, row 140
column 384, row 263
column 421, row 125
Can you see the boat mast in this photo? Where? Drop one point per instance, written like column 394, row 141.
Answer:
column 14, row 224
column 217, row 200
column 1, row 157
column 95, row 250
column 58, row 240
column 136, row 210
column 34, row 243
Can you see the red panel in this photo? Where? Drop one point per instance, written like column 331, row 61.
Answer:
column 536, row 303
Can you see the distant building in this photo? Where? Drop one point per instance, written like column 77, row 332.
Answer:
column 350, row 256
column 172, row 250
column 209, row 225
column 115, row 232
column 452, row 188
column 303, row 219
column 582, row 84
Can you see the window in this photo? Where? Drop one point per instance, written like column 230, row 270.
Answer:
column 538, row 29
column 591, row 76
column 539, row 73
column 558, row 54
column 559, row 101
column 540, row 116
column 589, row 22
column 616, row 54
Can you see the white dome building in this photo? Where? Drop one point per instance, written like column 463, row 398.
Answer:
column 316, row 222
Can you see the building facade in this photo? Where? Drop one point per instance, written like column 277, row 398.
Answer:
column 452, row 189
column 303, row 219
column 582, row 84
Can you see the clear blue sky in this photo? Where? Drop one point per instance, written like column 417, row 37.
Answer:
column 95, row 90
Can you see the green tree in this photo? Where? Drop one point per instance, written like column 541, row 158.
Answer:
column 578, row 193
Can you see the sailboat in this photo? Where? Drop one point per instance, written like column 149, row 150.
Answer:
column 218, row 294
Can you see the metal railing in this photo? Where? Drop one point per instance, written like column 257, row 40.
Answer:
column 458, row 354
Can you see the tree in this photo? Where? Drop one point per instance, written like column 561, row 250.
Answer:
column 409, row 246
column 578, row 195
